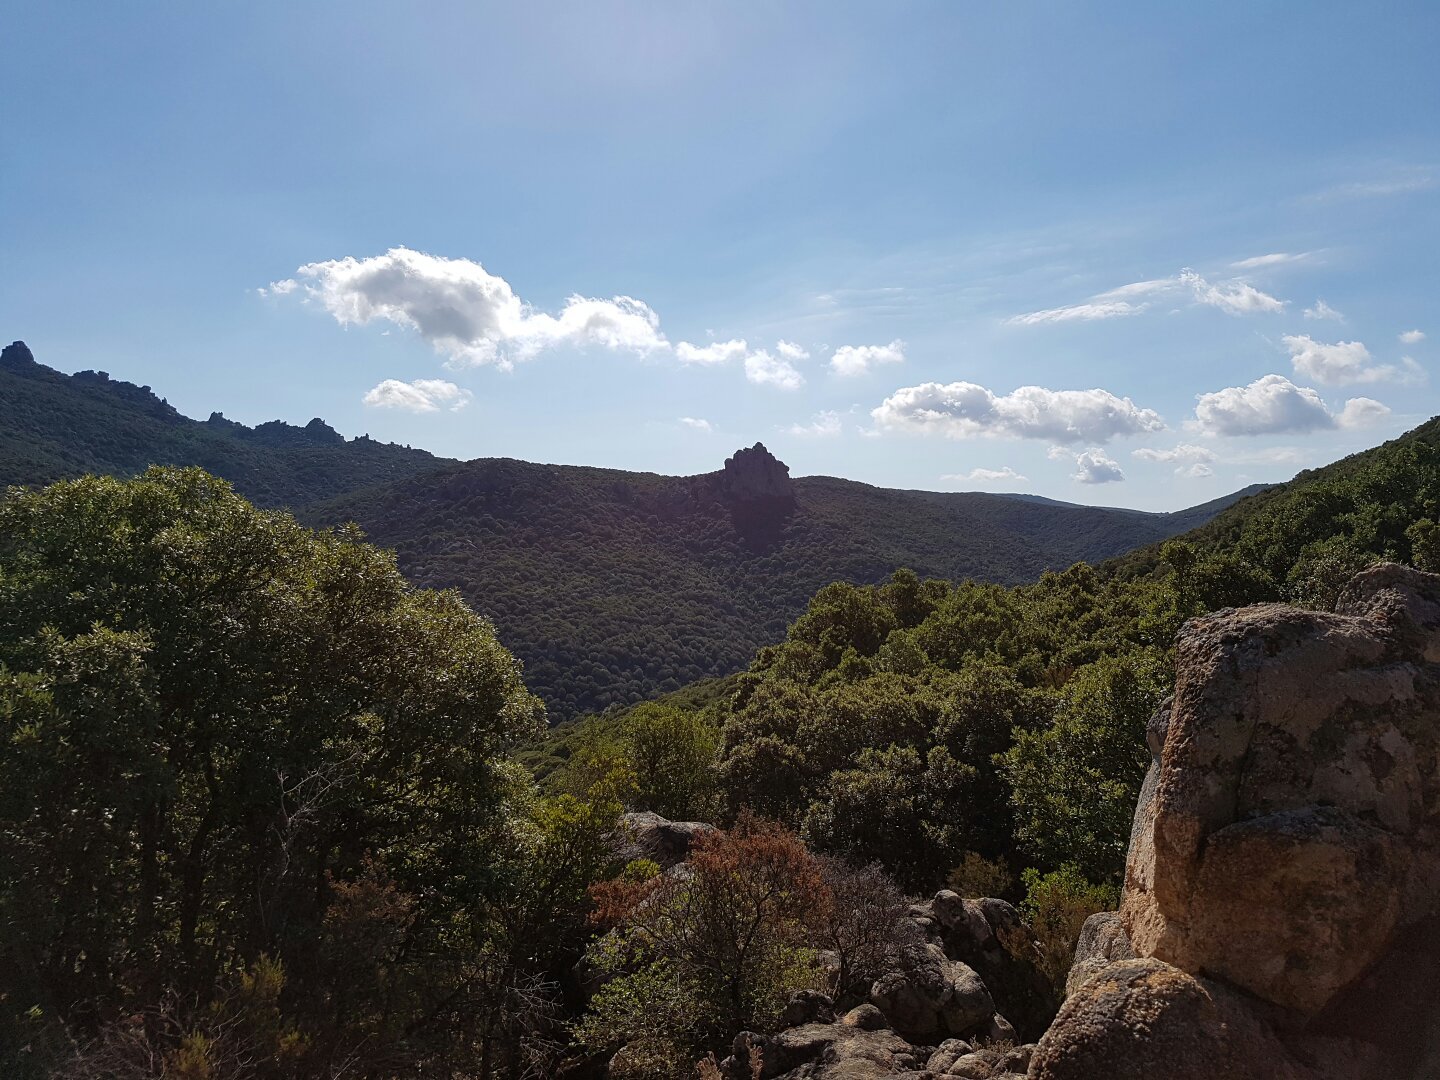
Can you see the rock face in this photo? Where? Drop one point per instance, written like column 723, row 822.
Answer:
column 755, row 473
column 1285, row 859
column 1102, row 941
column 1143, row 1019
column 933, row 997
column 647, row 835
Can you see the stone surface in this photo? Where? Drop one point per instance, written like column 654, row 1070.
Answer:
column 1292, row 831
column 932, row 996
column 1102, row 941
column 989, row 936
column 647, row 835
column 842, row 1051
column 1144, row 1019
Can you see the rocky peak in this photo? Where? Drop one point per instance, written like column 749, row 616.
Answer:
column 17, row 356
column 755, row 473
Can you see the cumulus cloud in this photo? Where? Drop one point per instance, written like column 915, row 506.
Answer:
column 858, row 359
column 983, row 476
column 1412, row 337
column 1274, row 405
column 1232, row 297
column 1197, row 471
column 766, row 370
column 961, row 410
column 1092, row 466
column 788, row 350
column 467, row 314
column 1322, row 310
column 422, row 395
column 720, row 352
column 823, row 425
column 695, row 423
column 1182, row 452
column 1344, row 362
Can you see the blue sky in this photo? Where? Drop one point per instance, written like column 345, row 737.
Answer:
column 1125, row 253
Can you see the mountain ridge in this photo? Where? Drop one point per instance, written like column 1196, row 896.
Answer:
column 609, row 585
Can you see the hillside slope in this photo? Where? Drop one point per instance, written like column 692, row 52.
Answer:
column 611, row 586
column 614, row 586
column 54, row 426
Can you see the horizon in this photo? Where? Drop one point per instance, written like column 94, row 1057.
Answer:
column 1000, row 493
column 1126, row 257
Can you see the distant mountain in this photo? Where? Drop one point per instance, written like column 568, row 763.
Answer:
column 611, row 586
column 54, row 426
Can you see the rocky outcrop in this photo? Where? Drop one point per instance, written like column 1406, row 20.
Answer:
column 647, row 835
column 931, row 997
column 1102, row 942
column 1143, row 1019
column 1282, row 889
column 755, row 473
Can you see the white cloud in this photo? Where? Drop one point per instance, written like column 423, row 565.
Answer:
column 1231, row 297
column 961, row 410
column 1322, row 310
column 466, row 313
column 1361, row 412
column 1182, row 452
column 857, row 359
column 983, row 476
column 1276, row 259
column 695, row 423
column 766, row 370
column 720, row 352
column 790, row 351
column 1343, row 363
column 1092, row 466
column 422, row 395
column 823, row 425
column 1197, row 471
column 1273, row 405
column 1412, row 337
column 1086, row 312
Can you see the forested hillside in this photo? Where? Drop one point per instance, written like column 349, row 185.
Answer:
column 922, row 721
column 610, row 586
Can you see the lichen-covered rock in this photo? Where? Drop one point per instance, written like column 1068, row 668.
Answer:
column 1102, row 941
column 932, row 996
column 1292, row 834
column 840, row 1051
column 1144, row 1019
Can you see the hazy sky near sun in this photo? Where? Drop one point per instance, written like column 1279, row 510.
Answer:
column 1115, row 252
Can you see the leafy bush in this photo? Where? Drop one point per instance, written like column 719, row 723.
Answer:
column 1056, row 906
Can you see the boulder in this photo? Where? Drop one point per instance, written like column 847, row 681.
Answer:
column 647, row 835
column 932, row 996
column 1102, row 941
column 989, row 936
column 840, row 1051
column 1143, row 1019
column 1291, row 836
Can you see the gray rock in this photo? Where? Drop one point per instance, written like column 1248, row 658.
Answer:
column 932, row 996
column 1102, row 941
column 647, row 835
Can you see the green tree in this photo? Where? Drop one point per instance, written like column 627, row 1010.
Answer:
column 1074, row 783
column 205, row 709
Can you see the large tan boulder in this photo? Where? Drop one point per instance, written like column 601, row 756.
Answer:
column 1144, row 1019
column 1292, row 831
